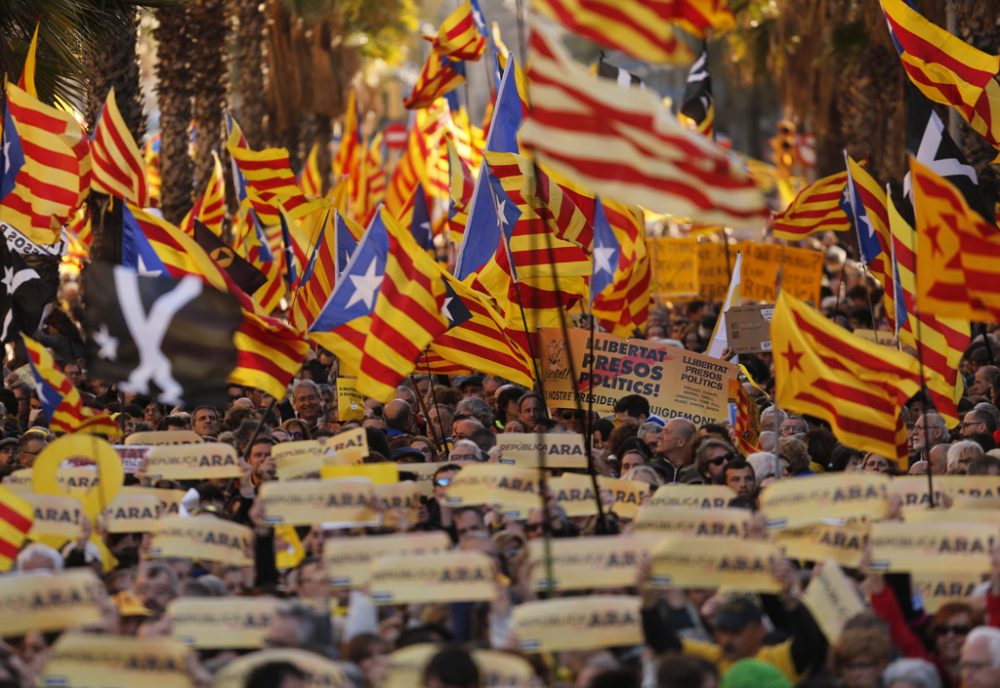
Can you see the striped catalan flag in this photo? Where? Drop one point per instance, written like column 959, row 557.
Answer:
column 407, row 317
column 620, row 142
column 942, row 340
column 27, row 80
column 318, row 278
column 857, row 386
column 351, row 149
column 438, row 76
column 53, row 178
column 418, row 162
column 460, row 187
column 151, row 160
column 311, row 178
column 642, row 29
column 118, row 166
column 946, row 69
column 459, row 36
column 747, row 425
column 210, row 208
column 817, row 208
column 61, row 401
column 368, row 184
column 623, row 307
column 16, row 517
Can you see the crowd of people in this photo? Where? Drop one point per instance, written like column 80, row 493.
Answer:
column 693, row 638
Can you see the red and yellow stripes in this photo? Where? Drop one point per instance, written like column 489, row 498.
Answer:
column 210, row 208
column 16, row 517
column 815, row 209
column 418, row 164
column 458, row 36
column 118, row 165
column 438, row 76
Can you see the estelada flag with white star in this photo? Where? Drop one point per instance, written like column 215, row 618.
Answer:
column 61, row 401
column 170, row 340
column 23, row 295
column 857, row 386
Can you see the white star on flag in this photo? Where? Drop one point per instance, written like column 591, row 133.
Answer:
column 108, row 344
column 365, row 287
column 602, row 259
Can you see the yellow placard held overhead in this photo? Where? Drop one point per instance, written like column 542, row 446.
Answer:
column 832, row 599
column 350, row 402
column 723, row 522
column 681, row 561
column 674, row 495
column 308, row 502
column 419, row 578
column 801, row 272
column 320, row 672
column 134, row 510
column 203, row 461
column 561, row 450
column 675, row 267
column 202, row 537
column 832, row 498
column 933, row 546
column 51, row 602
column 216, row 623
column 583, row 563
column 578, row 623
column 114, row 661
column 348, row 560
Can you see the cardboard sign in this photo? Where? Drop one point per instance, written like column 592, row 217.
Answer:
column 713, row 270
column 309, row 468
column 675, row 267
column 801, row 272
column 348, row 559
column 170, row 500
column 749, row 328
column 575, row 494
column 350, row 446
column 132, row 456
column 578, row 623
column 79, row 459
column 134, row 510
column 694, row 522
column 110, row 661
column 202, row 537
column 157, row 437
column 453, row 576
column 690, row 562
column 967, row 491
column 383, row 473
column 678, row 383
column 627, row 494
column 934, row 546
column 17, row 242
column 832, row 498
column 61, row 517
column 307, row 502
column 19, row 481
column 399, row 503
column 561, row 450
column 679, row 495
column 350, row 402
column 215, row 623
column 583, row 563
column 51, row 602
column 832, row 600
column 938, row 588
column 491, row 483
column 204, row 461
column 497, row 669
column 843, row 544
column 320, row 672
column 424, row 473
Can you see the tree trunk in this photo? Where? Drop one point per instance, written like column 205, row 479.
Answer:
column 114, row 64
column 250, row 97
column 210, row 29
column 173, row 70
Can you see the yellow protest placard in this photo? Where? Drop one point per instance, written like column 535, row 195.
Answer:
column 843, row 544
column 833, row 498
column 424, row 473
column 350, row 446
column 497, row 669
column 713, row 270
column 113, row 661
column 574, row 493
column 454, row 576
column 589, row 562
column 723, row 522
column 308, row 468
column 399, row 503
column 132, row 456
column 348, row 559
column 966, row 491
column 59, row 517
column 134, row 510
column 627, row 494
column 681, row 561
column 922, row 514
column 202, row 537
column 801, row 272
column 832, row 599
column 300, row 450
column 320, row 672
column 938, row 588
column 80, row 458
column 169, row 499
column 53, row 602
column 383, row 473
column 215, row 623
column 19, row 481
column 674, row 267
column 164, row 437
column 350, row 402
column 204, row 461
column 491, row 483
column 561, row 450
column 692, row 496
column 307, row 502
column 578, row 623
column 678, row 383
column 935, row 546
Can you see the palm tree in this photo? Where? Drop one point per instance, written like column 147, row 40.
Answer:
column 174, row 91
column 210, row 33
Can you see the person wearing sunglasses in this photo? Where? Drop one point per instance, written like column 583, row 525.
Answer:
column 711, row 459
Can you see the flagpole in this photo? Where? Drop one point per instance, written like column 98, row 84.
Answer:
column 430, row 375
column 421, row 406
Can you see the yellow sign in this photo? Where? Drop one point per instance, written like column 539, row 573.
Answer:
column 164, row 437
column 308, row 468
column 350, row 446
column 675, row 267
column 496, row 669
column 627, row 494
column 383, row 473
column 832, row 498
column 202, row 537
column 561, row 450
column 843, row 544
column 713, row 271
column 938, row 588
column 936, row 546
column 111, row 661
column 723, row 522
column 578, row 623
column 574, row 493
column 589, row 562
column 320, row 672
column 216, row 623
column 399, row 503
column 692, row 496
column 492, row 483
column 205, row 461
column 134, row 510
column 967, row 491
column 348, row 559
column 419, row 578
column 19, row 481
column 77, row 451
column 801, row 272
column 691, row 562
column 59, row 517
column 350, row 402
column 832, row 599
column 170, row 500
column 678, row 383
column 424, row 473
column 307, row 502
column 52, row 602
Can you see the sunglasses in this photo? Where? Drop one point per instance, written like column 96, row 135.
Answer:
column 718, row 461
column 954, row 630
column 442, row 482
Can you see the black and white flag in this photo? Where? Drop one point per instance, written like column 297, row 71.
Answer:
column 166, row 339
column 23, row 295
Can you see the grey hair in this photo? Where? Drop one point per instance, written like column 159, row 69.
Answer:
column 310, row 632
column 767, row 440
column 918, row 673
column 299, row 384
column 934, row 419
column 470, row 443
column 765, row 465
column 992, row 637
column 648, row 427
column 963, row 448
column 476, row 407
column 36, row 548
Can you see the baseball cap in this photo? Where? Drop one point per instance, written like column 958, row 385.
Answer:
column 737, row 613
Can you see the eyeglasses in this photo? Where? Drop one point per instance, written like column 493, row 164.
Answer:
column 719, row 460
column 956, row 629
column 442, row 482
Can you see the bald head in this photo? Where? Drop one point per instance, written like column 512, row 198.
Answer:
column 675, row 442
column 398, row 415
column 983, row 380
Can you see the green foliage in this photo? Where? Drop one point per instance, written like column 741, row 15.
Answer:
column 379, row 28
